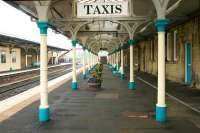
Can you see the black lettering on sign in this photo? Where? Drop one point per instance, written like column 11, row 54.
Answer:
column 111, row 8
column 118, row 9
column 105, row 9
column 87, row 8
column 96, row 10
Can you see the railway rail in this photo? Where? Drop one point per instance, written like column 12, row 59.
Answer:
column 25, row 82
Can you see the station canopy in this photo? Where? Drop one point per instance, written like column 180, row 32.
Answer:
column 107, row 24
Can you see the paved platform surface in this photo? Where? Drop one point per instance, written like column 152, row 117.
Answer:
column 187, row 94
column 114, row 109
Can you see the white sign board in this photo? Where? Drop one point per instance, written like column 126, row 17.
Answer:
column 106, row 9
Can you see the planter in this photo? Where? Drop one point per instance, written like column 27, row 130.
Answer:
column 94, row 83
column 95, row 79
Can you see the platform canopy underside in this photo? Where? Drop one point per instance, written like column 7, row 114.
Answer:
column 108, row 33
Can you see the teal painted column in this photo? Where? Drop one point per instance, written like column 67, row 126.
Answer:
column 122, row 75
column 111, row 61
column 44, row 113
column 90, row 64
column 74, row 85
column 161, row 109
column 131, row 84
column 84, row 63
column 115, row 63
column 118, row 61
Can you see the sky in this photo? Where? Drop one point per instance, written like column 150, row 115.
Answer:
column 16, row 23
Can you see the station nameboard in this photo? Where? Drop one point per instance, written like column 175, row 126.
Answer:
column 106, row 9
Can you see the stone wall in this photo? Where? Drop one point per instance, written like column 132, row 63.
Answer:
column 188, row 32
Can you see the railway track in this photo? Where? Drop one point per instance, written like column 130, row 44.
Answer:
column 10, row 89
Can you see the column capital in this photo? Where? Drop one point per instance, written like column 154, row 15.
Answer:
column 118, row 49
column 123, row 47
column 161, row 24
column 131, row 42
column 43, row 25
column 84, row 48
column 74, row 42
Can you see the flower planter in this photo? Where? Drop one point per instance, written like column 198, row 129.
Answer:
column 95, row 80
column 94, row 83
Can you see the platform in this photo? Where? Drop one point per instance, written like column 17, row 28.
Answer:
column 114, row 109
column 185, row 94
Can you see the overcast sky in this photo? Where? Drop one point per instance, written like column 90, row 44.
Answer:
column 16, row 23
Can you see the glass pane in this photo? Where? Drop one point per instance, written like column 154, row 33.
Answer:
column 13, row 56
column 3, row 57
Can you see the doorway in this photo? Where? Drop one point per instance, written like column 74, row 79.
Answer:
column 188, row 63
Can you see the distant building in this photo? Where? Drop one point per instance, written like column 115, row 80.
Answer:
column 67, row 56
column 16, row 53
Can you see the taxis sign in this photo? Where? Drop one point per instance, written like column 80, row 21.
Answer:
column 105, row 9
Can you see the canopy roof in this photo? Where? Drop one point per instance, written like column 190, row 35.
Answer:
column 11, row 41
column 109, row 33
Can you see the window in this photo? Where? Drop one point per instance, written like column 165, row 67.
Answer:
column 151, row 56
column 2, row 57
column 13, row 56
column 175, row 45
column 152, row 49
column 155, row 47
column 168, row 47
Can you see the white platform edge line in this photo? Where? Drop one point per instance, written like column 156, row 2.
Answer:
column 29, row 70
column 9, row 103
column 171, row 96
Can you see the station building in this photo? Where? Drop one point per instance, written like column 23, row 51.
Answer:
column 159, row 37
column 182, row 53
column 16, row 53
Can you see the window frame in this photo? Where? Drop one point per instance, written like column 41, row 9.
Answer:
column 175, row 57
column 152, row 50
column 14, row 57
column 168, row 54
column 3, row 52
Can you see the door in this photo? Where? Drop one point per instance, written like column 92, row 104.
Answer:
column 139, row 59
column 188, row 63
column 144, row 59
column 29, row 60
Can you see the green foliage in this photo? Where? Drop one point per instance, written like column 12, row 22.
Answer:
column 97, row 72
